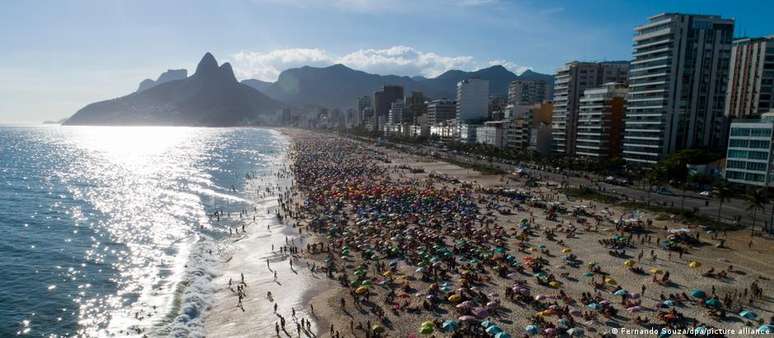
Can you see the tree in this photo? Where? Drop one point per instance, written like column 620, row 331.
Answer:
column 724, row 193
column 755, row 201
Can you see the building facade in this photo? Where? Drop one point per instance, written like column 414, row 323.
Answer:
column 570, row 82
column 472, row 101
column 523, row 92
column 677, row 86
column 441, row 110
column 600, row 122
column 384, row 98
column 749, row 152
column 750, row 89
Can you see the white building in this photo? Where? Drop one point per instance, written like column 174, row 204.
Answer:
column 677, row 85
column 600, row 121
column 492, row 132
column 749, row 154
column 472, row 101
column 750, row 89
column 571, row 80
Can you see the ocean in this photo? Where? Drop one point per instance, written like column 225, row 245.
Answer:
column 107, row 231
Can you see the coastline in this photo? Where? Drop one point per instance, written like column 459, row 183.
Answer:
column 323, row 293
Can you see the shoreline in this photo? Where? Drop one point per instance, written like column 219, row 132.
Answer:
column 750, row 264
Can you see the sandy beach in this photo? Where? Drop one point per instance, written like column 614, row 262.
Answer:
column 473, row 259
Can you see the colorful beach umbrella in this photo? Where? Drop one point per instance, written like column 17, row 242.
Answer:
column 696, row 293
column 450, row 325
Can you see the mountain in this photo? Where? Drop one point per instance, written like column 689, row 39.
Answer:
column 210, row 97
column 338, row 86
column 257, row 84
column 549, row 79
column 169, row 75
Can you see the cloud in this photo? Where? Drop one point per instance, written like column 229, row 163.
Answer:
column 397, row 60
column 371, row 6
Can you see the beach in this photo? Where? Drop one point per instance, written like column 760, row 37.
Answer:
column 405, row 246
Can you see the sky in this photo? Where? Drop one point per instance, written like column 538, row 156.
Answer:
column 56, row 56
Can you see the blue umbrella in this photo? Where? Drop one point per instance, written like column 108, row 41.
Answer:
column 696, row 293
column 594, row 306
column 531, row 329
column 748, row 315
column 713, row 302
column 576, row 332
column 486, row 323
column 450, row 325
column 766, row 329
column 700, row 330
column 669, row 302
column 502, row 335
column 494, row 329
column 620, row 292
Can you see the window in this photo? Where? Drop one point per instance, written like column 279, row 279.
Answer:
column 737, row 143
column 736, row 164
column 737, row 154
column 758, row 155
column 760, row 132
column 759, row 144
column 740, row 131
column 757, row 166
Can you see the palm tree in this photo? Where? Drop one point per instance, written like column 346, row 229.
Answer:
column 724, row 193
column 755, row 201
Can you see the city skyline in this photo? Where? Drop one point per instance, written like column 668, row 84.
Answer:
column 56, row 60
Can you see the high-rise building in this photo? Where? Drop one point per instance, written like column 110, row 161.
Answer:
column 750, row 89
column 363, row 111
column 415, row 107
column 384, row 98
column 398, row 113
column 600, row 121
column 571, row 81
column 472, row 100
column 749, row 158
column 677, row 86
column 441, row 110
column 525, row 92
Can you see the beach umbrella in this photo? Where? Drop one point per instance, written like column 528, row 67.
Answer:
column 696, row 293
column 594, row 306
column 531, row 329
column 629, row 263
column 610, row 281
column 713, row 302
column 604, row 302
column 377, row 329
column 426, row 330
column 361, row 290
column 420, row 270
column 564, row 323
column 502, row 334
column 669, row 302
column 700, row 330
column 566, row 250
column 481, row 312
column 554, row 284
column 494, row 329
column 620, row 292
column 576, row 332
column 454, row 298
column 486, row 323
column 656, row 271
column 634, row 309
column 450, row 325
column 766, row 329
column 746, row 314
column 694, row 264
column 366, row 283
column 550, row 331
column 427, row 323
column 466, row 318
column 588, row 274
column 464, row 305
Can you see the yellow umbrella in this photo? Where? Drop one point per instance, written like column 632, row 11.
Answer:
column 694, row 264
column 387, row 274
column 455, row 298
column 656, row 271
column 566, row 250
column 428, row 323
column 554, row 284
column 610, row 281
column 629, row 263
column 361, row 290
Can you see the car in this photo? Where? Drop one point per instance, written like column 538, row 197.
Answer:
column 706, row 193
